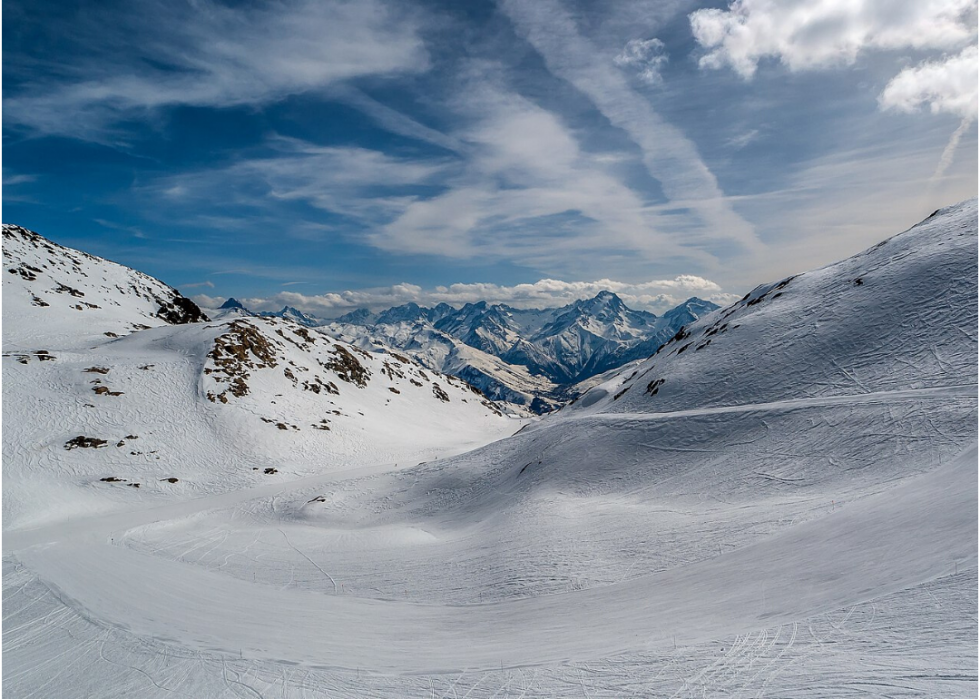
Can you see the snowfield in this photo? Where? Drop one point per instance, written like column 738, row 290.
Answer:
column 781, row 502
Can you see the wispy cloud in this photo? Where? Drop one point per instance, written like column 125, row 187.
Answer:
column 366, row 185
column 134, row 231
column 394, row 121
column 526, row 183
column 946, row 159
column 668, row 155
column 12, row 190
column 208, row 54
column 520, row 188
column 13, row 180
column 646, row 57
column 656, row 295
column 743, row 139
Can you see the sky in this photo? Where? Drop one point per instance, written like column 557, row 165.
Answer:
column 336, row 155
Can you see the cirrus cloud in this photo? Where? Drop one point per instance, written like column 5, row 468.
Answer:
column 204, row 54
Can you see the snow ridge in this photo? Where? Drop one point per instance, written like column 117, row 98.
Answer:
column 54, row 295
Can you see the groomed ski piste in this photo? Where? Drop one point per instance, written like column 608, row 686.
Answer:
column 789, row 509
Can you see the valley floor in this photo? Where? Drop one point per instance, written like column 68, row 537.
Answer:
column 816, row 547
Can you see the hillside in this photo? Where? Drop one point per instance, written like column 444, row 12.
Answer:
column 790, row 510
column 53, row 295
column 102, row 419
column 901, row 315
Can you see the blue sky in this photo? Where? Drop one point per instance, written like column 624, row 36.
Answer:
column 331, row 155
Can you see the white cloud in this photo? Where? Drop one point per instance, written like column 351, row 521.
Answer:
column 656, row 295
column 647, row 57
column 948, row 86
column 522, row 190
column 806, row 34
column 209, row 54
column 331, row 178
column 525, row 185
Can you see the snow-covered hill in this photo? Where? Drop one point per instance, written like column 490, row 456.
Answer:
column 901, row 315
column 802, row 522
column 98, row 394
column 56, row 296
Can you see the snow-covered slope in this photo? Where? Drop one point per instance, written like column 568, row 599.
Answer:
column 808, row 536
column 56, row 296
column 900, row 315
column 211, row 404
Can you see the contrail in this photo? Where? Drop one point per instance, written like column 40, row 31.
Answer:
column 946, row 159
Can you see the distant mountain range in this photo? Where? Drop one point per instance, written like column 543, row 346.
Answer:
column 534, row 358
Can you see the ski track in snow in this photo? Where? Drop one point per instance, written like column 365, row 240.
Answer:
column 161, row 596
column 789, row 512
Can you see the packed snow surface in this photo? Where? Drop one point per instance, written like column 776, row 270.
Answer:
column 789, row 509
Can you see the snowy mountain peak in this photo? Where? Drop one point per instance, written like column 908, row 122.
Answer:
column 356, row 317
column 607, row 306
column 557, row 347
column 409, row 312
column 231, row 303
column 690, row 311
column 295, row 315
column 604, row 299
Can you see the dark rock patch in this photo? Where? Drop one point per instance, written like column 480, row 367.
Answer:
column 83, row 442
column 347, row 368
column 180, row 311
column 654, row 386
